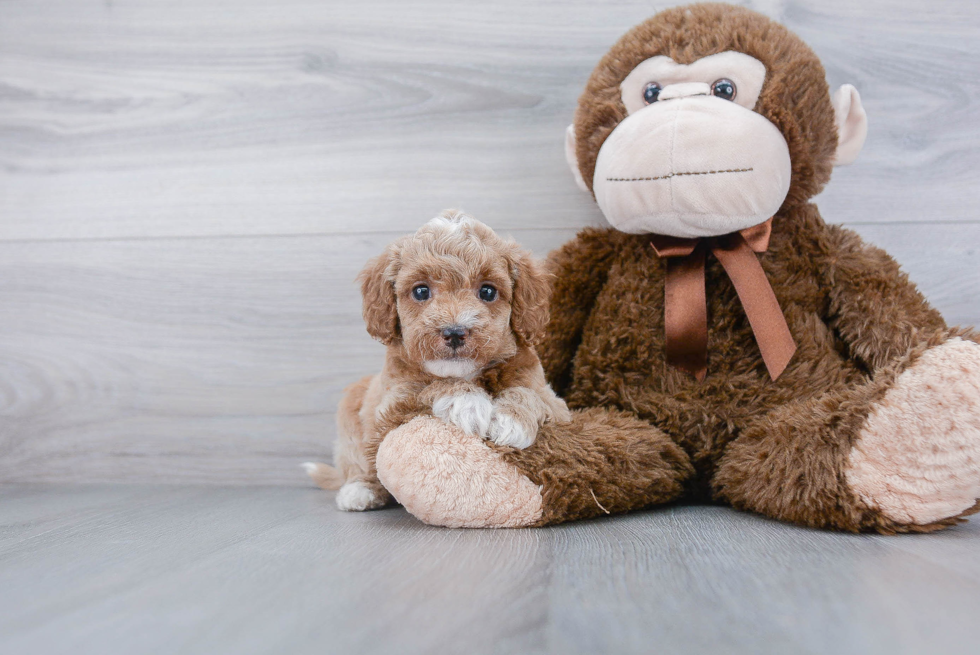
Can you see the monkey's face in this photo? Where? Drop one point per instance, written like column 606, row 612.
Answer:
column 708, row 119
column 692, row 158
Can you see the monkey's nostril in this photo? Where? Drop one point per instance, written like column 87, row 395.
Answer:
column 454, row 335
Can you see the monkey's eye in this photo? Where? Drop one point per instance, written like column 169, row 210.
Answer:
column 488, row 293
column 651, row 92
column 421, row 292
column 724, row 89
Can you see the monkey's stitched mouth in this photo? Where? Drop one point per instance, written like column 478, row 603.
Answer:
column 670, row 175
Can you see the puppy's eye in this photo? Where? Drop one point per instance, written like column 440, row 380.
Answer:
column 421, row 292
column 651, row 92
column 488, row 293
column 724, row 89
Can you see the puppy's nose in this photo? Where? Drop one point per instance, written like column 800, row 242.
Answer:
column 454, row 335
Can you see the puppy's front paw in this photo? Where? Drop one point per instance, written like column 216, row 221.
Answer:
column 505, row 430
column 470, row 411
column 357, row 497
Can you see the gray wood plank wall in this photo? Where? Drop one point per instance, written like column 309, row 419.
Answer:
column 188, row 189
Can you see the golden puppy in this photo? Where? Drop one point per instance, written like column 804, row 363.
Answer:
column 459, row 309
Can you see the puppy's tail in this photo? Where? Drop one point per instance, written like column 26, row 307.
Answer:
column 324, row 475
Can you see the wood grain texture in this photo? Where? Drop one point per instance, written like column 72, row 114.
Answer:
column 188, row 189
column 148, row 569
column 149, row 118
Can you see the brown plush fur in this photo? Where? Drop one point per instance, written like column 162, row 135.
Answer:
column 453, row 255
column 850, row 310
column 619, row 463
column 778, row 448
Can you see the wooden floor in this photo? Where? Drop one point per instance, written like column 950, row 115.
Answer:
column 154, row 569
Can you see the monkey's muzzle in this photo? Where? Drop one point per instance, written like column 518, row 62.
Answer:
column 694, row 166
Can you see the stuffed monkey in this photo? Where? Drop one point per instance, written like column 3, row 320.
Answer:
column 720, row 341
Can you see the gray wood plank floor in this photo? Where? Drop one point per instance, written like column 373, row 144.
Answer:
column 170, row 569
column 187, row 190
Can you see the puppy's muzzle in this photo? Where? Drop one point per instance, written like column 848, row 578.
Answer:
column 455, row 336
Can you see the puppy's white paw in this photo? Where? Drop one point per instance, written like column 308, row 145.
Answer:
column 470, row 412
column 505, row 430
column 357, row 497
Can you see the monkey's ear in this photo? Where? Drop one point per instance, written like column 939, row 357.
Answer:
column 852, row 124
column 529, row 308
column 378, row 292
column 572, row 158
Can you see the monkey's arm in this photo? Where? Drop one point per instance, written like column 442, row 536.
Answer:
column 873, row 306
column 581, row 268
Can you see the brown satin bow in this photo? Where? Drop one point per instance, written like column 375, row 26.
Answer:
column 685, row 305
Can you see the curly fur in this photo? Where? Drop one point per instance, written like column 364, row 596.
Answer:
column 491, row 383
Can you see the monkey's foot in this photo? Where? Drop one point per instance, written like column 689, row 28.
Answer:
column 917, row 459
column 601, row 462
column 444, row 476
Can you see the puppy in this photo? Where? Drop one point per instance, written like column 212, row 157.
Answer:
column 459, row 309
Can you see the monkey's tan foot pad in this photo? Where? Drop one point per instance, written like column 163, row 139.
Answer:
column 917, row 459
column 444, row 476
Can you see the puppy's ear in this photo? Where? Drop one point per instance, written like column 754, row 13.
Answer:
column 532, row 290
column 378, row 292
